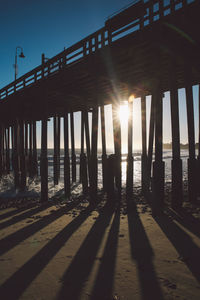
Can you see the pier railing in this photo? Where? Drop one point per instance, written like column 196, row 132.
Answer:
column 134, row 18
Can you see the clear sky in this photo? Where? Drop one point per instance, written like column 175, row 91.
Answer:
column 47, row 26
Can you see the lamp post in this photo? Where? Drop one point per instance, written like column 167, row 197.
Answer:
column 20, row 55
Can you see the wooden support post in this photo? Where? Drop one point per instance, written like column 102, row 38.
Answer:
column 129, row 173
column 1, row 150
column 94, row 163
column 144, row 177
column 56, row 150
column 26, row 145
column 198, row 158
column 44, row 163
column 73, row 155
column 177, row 191
column 87, row 138
column 7, row 143
column 66, row 158
column 13, row 146
column 111, row 176
column 104, row 155
column 30, row 149
column 192, row 162
column 151, row 140
column 22, row 156
column 16, row 155
column 35, row 162
column 83, row 159
column 158, row 164
column 117, row 146
column 82, row 146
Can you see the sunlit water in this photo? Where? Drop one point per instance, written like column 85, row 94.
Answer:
column 33, row 187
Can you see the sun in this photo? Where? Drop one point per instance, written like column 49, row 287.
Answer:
column 123, row 114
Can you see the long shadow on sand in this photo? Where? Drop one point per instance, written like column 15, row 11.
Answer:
column 12, row 212
column 78, row 271
column 103, row 286
column 186, row 219
column 15, row 238
column 26, row 214
column 142, row 253
column 20, row 280
column 189, row 252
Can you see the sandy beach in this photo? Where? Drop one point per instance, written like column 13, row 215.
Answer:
column 105, row 250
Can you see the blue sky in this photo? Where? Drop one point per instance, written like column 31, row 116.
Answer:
column 47, row 26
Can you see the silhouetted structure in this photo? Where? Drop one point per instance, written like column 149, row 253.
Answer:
column 147, row 49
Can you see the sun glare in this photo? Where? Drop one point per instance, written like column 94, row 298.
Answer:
column 123, row 114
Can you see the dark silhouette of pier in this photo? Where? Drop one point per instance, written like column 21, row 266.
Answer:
column 146, row 49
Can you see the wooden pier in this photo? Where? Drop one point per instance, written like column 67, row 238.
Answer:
column 147, row 49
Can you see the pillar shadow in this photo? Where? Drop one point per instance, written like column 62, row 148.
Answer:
column 26, row 214
column 142, row 253
column 11, row 213
column 186, row 219
column 104, row 280
column 21, row 279
column 77, row 273
column 189, row 252
column 15, row 238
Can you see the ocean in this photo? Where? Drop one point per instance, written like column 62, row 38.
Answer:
column 33, row 186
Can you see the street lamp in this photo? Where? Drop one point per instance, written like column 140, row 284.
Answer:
column 20, row 55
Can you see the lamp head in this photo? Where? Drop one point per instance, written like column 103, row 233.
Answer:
column 22, row 55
